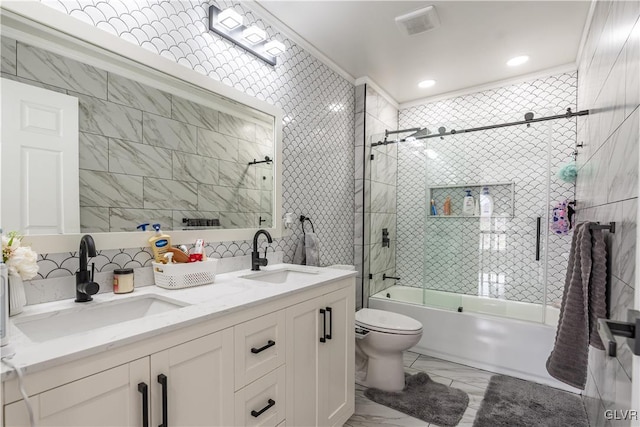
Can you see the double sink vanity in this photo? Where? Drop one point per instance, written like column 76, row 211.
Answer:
column 270, row 347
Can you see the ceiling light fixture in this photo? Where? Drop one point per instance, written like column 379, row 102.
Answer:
column 230, row 19
column 228, row 24
column 426, row 83
column 518, row 60
column 254, row 35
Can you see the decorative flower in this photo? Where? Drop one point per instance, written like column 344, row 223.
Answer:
column 20, row 260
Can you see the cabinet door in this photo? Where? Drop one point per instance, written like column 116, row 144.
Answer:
column 337, row 381
column 110, row 398
column 304, row 323
column 199, row 382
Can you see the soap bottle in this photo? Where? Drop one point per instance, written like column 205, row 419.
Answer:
column 486, row 203
column 468, row 204
column 434, row 211
column 159, row 243
column 446, row 209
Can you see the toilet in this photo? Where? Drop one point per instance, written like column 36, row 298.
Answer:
column 381, row 337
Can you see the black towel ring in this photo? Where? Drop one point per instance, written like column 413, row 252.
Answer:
column 302, row 220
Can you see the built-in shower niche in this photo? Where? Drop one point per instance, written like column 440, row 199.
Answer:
column 502, row 193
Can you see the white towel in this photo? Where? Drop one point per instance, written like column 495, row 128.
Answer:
column 307, row 252
column 312, row 252
column 299, row 256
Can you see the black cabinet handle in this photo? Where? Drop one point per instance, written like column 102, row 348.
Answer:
column 144, row 390
column 269, row 343
column 330, row 322
column 162, row 379
column 324, row 325
column 270, row 403
column 538, row 233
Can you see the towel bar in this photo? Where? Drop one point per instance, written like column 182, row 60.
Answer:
column 608, row 328
column 611, row 227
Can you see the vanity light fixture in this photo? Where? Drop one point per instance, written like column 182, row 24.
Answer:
column 228, row 24
column 254, row 35
column 230, row 19
column 274, row 47
column 426, row 83
column 518, row 60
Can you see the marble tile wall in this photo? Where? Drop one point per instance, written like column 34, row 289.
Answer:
column 457, row 254
column 375, row 192
column 318, row 106
column 607, row 187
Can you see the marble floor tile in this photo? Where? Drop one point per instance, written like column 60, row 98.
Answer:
column 476, row 394
column 408, row 357
column 456, row 372
column 369, row 413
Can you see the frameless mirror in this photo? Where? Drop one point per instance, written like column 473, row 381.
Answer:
column 149, row 141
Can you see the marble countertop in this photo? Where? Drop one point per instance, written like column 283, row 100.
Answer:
column 227, row 294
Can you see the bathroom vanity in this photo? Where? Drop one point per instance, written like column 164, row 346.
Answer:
column 273, row 347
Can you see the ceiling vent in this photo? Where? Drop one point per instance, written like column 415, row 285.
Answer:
column 419, row 21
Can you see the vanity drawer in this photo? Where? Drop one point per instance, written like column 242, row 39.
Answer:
column 262, row 403
column 259, row 347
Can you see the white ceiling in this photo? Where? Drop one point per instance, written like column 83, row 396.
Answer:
column 470, row 48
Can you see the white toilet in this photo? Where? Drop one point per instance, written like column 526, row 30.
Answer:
column 381, row 337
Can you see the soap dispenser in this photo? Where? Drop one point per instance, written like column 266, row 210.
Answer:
column 486, row 203
column 160, row 244
column 468, row 204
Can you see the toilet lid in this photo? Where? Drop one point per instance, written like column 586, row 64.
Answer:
column 387, row 321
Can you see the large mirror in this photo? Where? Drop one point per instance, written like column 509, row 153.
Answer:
column 150, row 141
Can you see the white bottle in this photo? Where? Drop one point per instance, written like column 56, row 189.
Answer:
column 468, row 204
column 486, row 203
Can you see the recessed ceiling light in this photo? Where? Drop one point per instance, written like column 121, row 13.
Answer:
column 518, row 60
column 426, row 83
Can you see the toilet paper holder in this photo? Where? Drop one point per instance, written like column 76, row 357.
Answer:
column 608, row 328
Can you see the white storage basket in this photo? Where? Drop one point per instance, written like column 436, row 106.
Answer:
column 185, row 275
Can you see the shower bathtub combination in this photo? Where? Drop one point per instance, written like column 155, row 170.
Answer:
column 486, row 285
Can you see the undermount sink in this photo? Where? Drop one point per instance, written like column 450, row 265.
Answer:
column 61, row 323
column 281, row 275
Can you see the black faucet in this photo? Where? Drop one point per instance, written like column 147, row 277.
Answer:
column 256, row 261
column 85, row 286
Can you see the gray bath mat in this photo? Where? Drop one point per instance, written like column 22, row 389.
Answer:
column 425, row 399
column 512, row 402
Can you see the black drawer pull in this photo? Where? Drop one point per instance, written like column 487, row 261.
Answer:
column 261, row 411
column 330, row 322
column 324, row 325
column 162, row 380
column 270, row 343
column 143, row 389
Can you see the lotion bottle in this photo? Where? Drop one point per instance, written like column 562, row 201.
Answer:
column 159, row 243
column 468, row 204
column 486, row 203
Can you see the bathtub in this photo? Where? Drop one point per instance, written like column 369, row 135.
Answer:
column 506, row 337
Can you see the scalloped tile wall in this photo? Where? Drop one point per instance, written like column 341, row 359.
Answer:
column 318, row 106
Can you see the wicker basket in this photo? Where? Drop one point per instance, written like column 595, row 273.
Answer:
column 185, row 275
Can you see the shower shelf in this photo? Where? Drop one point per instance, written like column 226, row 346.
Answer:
column 503, row 194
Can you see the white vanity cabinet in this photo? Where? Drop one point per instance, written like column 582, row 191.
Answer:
column 89, row 401
column 320, row 360
column 259, row 366
column 198, row 391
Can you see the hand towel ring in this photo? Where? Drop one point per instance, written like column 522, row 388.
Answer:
column 302, row 220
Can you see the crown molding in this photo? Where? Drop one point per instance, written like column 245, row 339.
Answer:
column 288, row 32
column 368, row 81
column 567, row 68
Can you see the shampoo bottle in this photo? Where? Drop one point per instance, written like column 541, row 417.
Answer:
column 486, row 203
column 159, row 243
column 468, row 204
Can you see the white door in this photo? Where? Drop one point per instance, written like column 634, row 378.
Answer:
column 199, row 382
column 110, row 398
column 303, row 338
column 39, row 160
column 337, row 381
